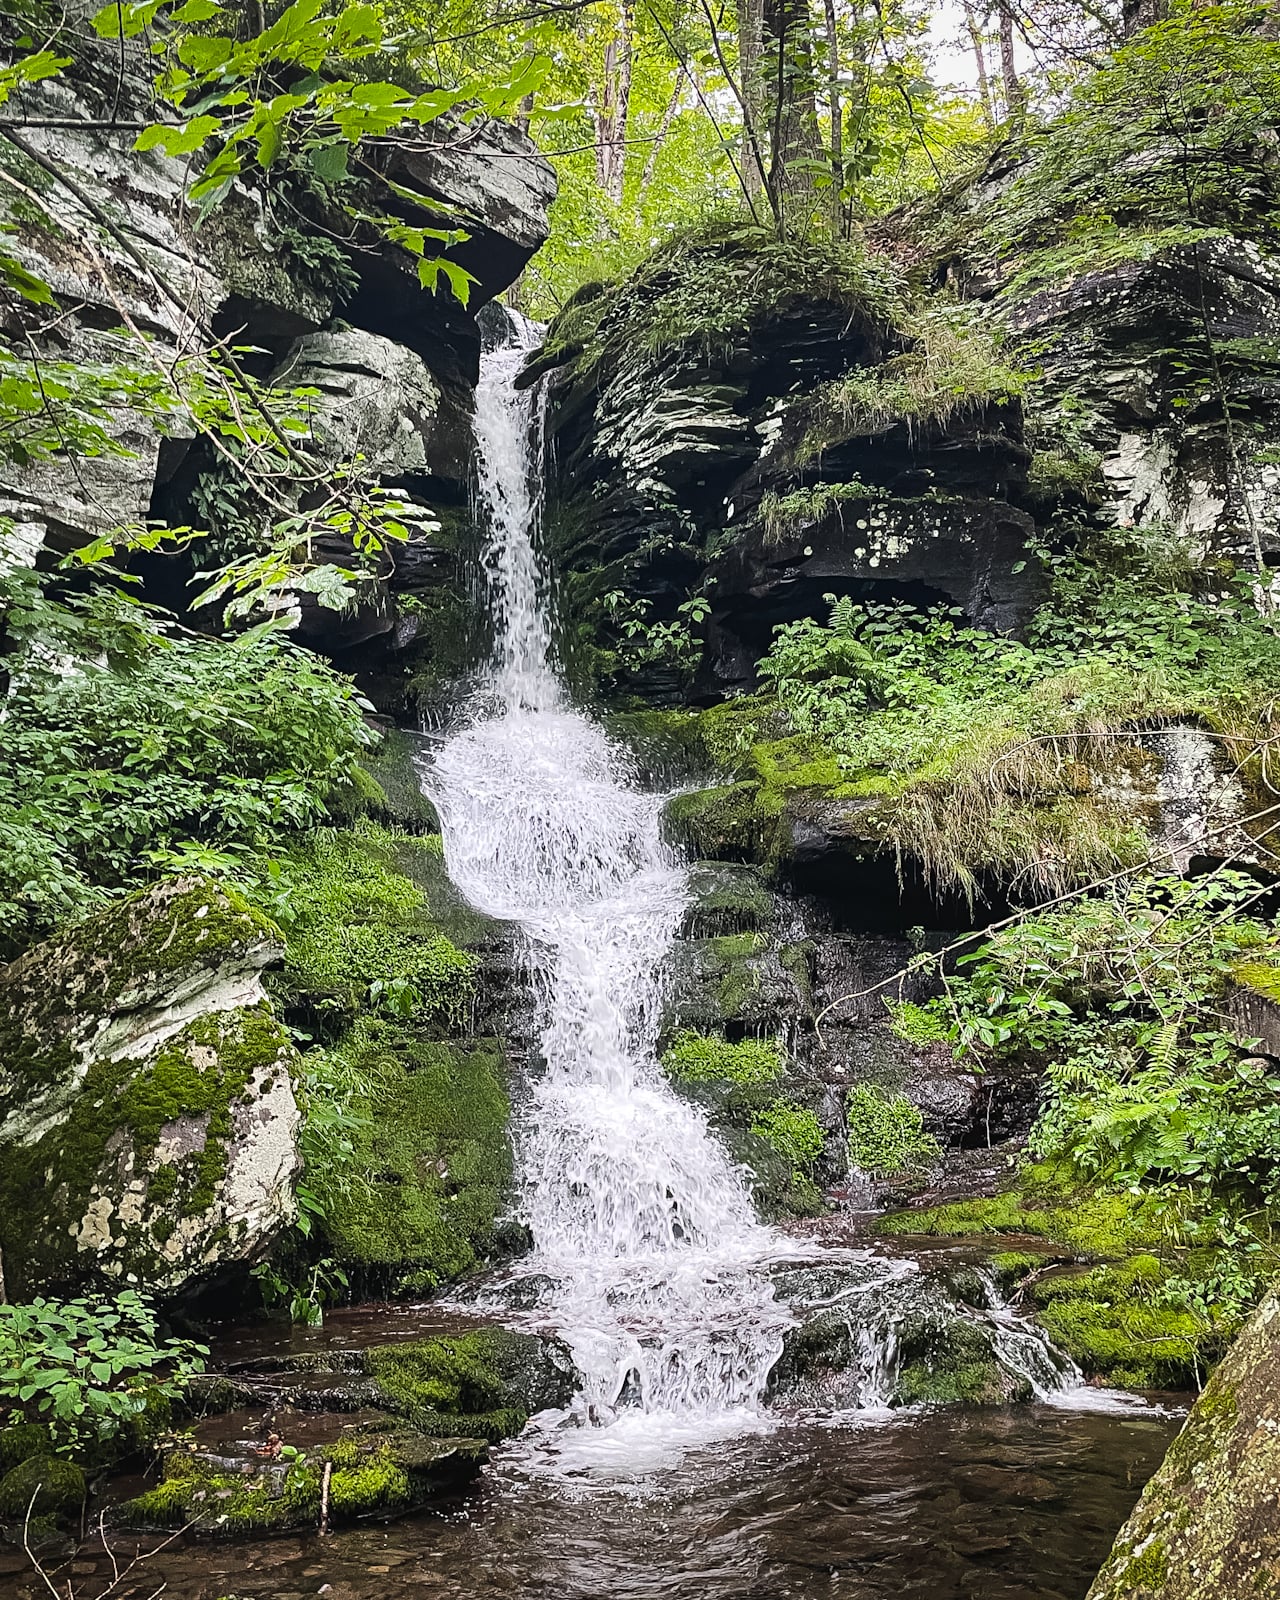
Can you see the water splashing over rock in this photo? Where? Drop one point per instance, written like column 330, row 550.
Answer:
column 642, row 1227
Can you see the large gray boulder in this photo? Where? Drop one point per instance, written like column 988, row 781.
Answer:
column 148, row 1124
column 1207, row 1526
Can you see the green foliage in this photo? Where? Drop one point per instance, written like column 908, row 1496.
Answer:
column 886, row 1132
column 710, row 1058
column 1168, row 132
column 793, row 1131
column 710, row 288
column 993, row 754
column 359, row 932
column 173, row 753
column 89, row 1368
column 915, row 1023
column 1149, row 1090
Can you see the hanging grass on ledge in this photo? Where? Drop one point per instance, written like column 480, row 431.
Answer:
column 953, row 364
column 973, row 754
column 710, row 287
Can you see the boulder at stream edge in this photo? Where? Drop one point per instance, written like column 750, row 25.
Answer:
column 148, row 1125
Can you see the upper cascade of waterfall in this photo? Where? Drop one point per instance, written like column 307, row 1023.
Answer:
column 508, row 427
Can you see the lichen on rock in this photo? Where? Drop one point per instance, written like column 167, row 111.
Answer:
column 1206, row 1523
column 150, row 1124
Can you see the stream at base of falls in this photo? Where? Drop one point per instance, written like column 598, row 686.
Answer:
column 1020, row 1504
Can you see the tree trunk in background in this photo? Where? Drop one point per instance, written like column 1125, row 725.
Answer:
column 1138, row 14
column 614, row 105
column 664, row 128
column 980, row 62
column 837, row 120
column 1015, row 96
column 795, row 153
column 750, row 63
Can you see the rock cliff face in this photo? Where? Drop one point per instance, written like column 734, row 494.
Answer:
column 110, row 231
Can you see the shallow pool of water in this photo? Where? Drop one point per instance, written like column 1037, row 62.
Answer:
column 1012, row 1505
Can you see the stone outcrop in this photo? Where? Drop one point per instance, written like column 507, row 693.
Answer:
column 148, row 1122
column 378, row 1430
column 1207, row 1522
column 110, row 230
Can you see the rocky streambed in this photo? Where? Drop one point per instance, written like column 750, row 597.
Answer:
column 919, row 1439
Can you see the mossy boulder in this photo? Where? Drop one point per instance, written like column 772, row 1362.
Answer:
column 150, row 1126
column 925, row 1339
column 369, row 1472
column 1206, row 1523
column 20, row 1441
column 485, row 1383
column 42, row 1486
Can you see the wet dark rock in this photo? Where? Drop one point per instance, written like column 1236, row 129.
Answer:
column 866, row 1337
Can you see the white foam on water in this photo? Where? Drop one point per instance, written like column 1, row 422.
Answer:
column 638, row 1218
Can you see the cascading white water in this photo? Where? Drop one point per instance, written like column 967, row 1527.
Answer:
column 638, row 1217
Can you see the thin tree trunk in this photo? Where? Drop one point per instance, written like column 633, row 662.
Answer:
column 664, row 128
column 980, row 62
column 750, row 60
column 796, row 149
column 1015, row 96
column 615, row 104
column 837, row 121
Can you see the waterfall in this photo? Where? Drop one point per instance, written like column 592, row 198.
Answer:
column 641, row 1224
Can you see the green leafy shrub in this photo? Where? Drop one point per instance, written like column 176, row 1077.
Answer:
column 1120, row 997
column 793, row 1131
column 886, row 1132
column 710, row 1058
column 151, row 751
column 89, row 1368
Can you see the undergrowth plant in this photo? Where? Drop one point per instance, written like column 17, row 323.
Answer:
column 886, row 1132
column 1018, row 758
column 1122, row 998
column 130, row 747
column 89, row 1368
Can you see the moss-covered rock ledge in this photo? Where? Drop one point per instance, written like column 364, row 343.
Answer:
column 148, row 1126
column 1207, row 1526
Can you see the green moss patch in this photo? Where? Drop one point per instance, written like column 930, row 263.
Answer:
column 711, row 1058
column 482, row 1384
column 431, row 1154
column 361, row 931
column 1128, row 1319
column 886, row 1132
